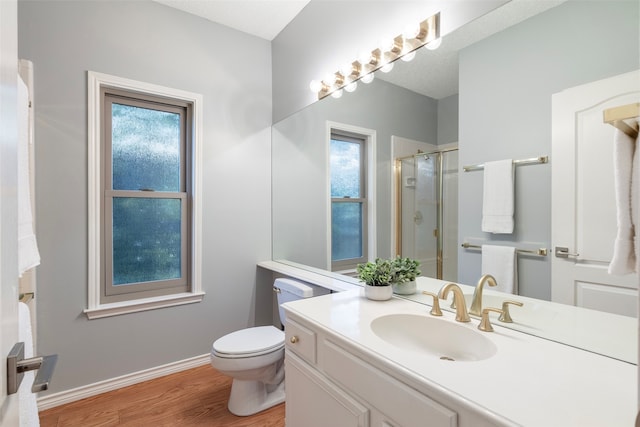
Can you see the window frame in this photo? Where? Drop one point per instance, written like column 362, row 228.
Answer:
column 368, row 197
column 133, row 301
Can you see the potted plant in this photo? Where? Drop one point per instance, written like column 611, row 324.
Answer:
column 377, row 278
column 405, row 271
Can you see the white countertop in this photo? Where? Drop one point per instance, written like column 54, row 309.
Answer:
column 604, row 333
column 530, row 381
column 307, row 274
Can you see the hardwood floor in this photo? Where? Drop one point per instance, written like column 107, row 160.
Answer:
column 196, row 397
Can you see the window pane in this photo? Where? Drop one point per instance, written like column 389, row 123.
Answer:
column 146, row 240
column 146, row 149
column 346, row 231
column 345, row 169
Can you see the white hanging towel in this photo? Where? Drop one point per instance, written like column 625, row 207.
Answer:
column 501, row 263
column 498, row 197
column 625, row 169
column 28, row 255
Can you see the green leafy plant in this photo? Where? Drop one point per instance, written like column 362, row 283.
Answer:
column 378, row 273
column 404, row 270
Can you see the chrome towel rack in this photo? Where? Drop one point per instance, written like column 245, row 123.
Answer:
column 531, row 161
column 536, row 252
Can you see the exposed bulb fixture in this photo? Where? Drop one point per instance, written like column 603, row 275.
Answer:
column 316, row 86
column 367, row 78
column 411, row 31
column 434, row 44
column 409, row 56
column 351, row 86
column 404, row 46
column 386, row 45
column 387, row 67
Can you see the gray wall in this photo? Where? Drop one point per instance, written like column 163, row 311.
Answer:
column 146, row 41
column 448, row 120
column 506, row 83
column 300, row 164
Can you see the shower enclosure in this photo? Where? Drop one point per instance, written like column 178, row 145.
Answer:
column 427, row 211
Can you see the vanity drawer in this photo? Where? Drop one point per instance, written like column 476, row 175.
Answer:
column 300, row 340
column 405, row 405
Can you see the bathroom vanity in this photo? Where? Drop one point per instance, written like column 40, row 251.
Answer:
column 355, row 362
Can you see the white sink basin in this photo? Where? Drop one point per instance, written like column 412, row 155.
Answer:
column 433, row 336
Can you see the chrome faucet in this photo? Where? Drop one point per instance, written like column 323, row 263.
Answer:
column 476, row 303
column 458, row 299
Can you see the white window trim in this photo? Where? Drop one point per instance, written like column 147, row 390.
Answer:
column 95, row 309
column 370, row 137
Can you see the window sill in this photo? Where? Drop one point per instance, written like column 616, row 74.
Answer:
column 134, row 306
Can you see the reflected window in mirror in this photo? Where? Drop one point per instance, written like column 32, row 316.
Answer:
column 349, row 204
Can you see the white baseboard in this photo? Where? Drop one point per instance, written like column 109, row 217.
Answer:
column 56, row 399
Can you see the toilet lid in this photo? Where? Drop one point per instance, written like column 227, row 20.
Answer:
column 259, row 339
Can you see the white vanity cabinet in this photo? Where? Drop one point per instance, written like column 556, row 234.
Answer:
column 328, row 383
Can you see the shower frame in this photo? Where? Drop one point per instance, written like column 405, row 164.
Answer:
column 440, row 205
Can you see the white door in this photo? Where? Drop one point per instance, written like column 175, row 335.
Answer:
column 583, row 199
column 8, row 202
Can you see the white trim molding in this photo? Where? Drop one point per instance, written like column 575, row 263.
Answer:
column 97, row 81
column 56, row 399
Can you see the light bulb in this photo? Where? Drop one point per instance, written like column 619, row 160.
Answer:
column 409, row 56
column 411, row 31
column 433, row 45
column 364, row 58
column 367, row 78
column 329, row 79
column 351, row 86
column 337, row 93
column 387, row 67
column 315, row 86
column 386, row 45
column 347, row 70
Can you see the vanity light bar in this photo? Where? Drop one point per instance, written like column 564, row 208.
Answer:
column 428, row 32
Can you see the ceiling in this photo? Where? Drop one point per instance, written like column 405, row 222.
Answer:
column 266, row 18
column 262, row 18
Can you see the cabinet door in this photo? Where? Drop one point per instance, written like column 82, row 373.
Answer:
column 312, row 401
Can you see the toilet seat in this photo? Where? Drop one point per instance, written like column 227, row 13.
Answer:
column 249, row 342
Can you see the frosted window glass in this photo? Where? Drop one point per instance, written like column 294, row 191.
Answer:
column 345, row 169
column 146, row 149
column 346, row 231
column 146, row 239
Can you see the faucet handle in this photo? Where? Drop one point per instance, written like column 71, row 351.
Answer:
column 435, row 307
column 485, row 324
column 506, row 316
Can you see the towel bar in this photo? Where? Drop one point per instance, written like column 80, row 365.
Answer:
column 537, row 252
column 532, row 161
column 26, row 297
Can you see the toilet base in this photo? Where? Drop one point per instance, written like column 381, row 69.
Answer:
column 251, row 397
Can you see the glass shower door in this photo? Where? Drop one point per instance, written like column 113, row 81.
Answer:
column 427, row 212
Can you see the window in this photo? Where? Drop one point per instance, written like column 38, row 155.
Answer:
column 350, row 204
column 144, row 217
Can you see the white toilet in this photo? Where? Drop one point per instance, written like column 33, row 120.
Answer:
column 254, row 357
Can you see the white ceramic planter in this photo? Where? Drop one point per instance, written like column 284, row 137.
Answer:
column 378, row 293
column 406, row 288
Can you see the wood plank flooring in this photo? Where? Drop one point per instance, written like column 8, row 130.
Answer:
column 196, row 397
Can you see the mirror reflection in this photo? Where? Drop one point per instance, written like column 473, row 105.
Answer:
column 503, row 108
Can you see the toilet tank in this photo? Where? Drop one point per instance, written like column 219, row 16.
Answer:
column 291, row 290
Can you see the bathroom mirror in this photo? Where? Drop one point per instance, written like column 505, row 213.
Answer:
column 508, row 78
